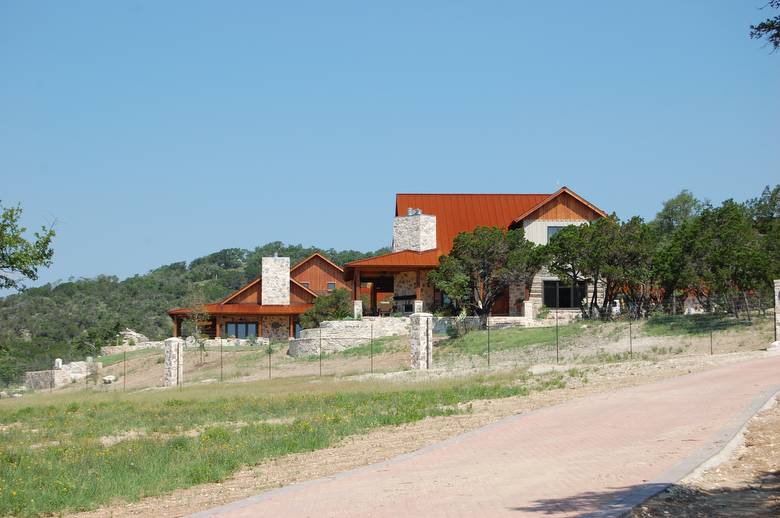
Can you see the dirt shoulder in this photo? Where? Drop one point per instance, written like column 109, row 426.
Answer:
column 747, row 484
column 386, row 443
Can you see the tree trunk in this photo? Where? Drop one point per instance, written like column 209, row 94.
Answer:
column 747, row 306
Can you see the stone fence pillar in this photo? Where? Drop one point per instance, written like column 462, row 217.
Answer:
column 421, row 339
column 528, row 309
column 174, row 362
column 357, row 309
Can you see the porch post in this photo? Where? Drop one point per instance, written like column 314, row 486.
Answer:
column 418, row 302
column 374, row 309
column 357, row 302
column 217, row 326
column 262, row 327
column 292, row 326
column 176, row 327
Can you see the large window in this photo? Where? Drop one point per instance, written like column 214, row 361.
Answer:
column 331, row 286
column 241, row 329
column 560, row 295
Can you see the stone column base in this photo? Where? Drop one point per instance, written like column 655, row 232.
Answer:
column 421, row 339
column 418, row 306
column 357, row 309
column 174, row 362
column 528, row 309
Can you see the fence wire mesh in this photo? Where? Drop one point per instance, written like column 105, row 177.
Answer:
column 560, row 337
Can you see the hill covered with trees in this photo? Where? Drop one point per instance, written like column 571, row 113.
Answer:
column 73, row 319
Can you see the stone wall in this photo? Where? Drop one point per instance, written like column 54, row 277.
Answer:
column 338, row 335
column 115, row 349
column 421, row 340
column 414, row 232
column 62, row 374
column 276, row 281
column 276, row 328
column 405, row 284
column 173, row 375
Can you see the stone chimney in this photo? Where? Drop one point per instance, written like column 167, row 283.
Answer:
column 276, row 281
column 415, row 231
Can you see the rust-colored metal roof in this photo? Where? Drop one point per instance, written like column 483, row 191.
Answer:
column 456, row 213
column 398, row 259
column 247, row 309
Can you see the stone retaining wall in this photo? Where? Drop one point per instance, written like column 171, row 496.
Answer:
column 338, row 335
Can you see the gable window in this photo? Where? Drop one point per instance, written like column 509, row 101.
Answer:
column 305, row 285
column 331, row 286
column 241, row 329
column 559, row 295
column 551, row 231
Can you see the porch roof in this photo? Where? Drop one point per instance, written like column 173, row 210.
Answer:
column 246, row 309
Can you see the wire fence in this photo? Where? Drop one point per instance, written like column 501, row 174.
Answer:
column 561, row 337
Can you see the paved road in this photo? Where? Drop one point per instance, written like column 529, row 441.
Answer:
column 595, row 456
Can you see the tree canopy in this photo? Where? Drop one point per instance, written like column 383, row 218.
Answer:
column 769, row 28
column 482, row 264
column 21, row 258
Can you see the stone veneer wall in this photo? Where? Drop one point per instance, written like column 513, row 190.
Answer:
column 276, row 281
column 338, row 335
column 276, row 328
column 421, row 340
column 405, row 284
column 416, row 232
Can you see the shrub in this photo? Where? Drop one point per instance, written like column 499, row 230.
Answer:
column 336, row 305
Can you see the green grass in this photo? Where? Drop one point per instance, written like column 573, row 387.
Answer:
column 475, row 342
column 381, row 345
column 112, row 359
column 52, row 459
column 665, row 325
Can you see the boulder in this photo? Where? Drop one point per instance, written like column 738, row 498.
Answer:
column 3, row 394
column 108, row 380
column 130, row 337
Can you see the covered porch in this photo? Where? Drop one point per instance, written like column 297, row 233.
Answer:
column 253, row 321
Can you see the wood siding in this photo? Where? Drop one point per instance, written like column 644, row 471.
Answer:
column 253, row 295
column 564, row 208
column 317, row 273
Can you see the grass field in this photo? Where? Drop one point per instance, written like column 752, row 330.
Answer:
column 78, row 449
column 69, row 452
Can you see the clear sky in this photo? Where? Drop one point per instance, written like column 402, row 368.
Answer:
column 155, row 132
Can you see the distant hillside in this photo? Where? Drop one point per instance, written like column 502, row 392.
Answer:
column 74, row 318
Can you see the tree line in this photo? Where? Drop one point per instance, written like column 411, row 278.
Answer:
column 718, row 254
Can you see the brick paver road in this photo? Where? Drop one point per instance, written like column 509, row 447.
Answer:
column 594, row 456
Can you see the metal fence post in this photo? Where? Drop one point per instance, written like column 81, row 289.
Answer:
column 428, row 345
column 320, row 352
column 124, row 369
column 630, row 342
column 220, row 359
column 487, row 321
column 711, row 343
column 371, row 345
column 269, row 359
column 557, row 339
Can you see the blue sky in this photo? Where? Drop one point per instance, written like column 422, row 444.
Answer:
column 155, row 132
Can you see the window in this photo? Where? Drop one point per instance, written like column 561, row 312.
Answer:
column 305, row 285
column 551, row 231
column 331, row 286
column 241, row 329
column 559, row 295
